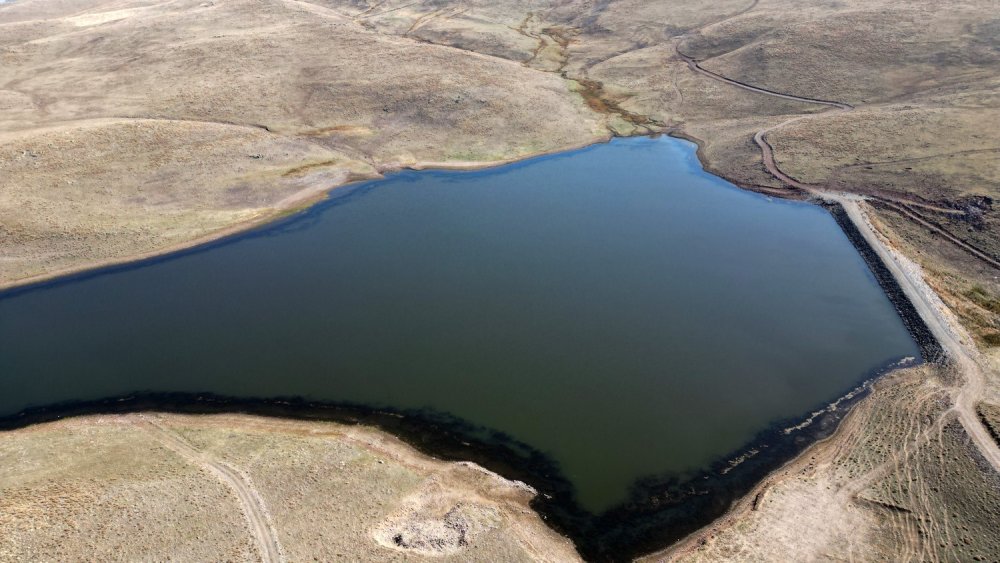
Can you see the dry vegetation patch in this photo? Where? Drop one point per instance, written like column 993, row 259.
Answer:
column 100, row 489
column 131, row 127
column 106, row 190
column 111, row 487
column 921, row 152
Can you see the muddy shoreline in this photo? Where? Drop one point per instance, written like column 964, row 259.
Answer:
column 659, row 511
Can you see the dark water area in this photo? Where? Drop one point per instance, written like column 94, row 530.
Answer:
column 616, row 314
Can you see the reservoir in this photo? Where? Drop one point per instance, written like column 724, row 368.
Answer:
column 615, row 307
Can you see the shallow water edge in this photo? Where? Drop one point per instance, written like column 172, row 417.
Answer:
column 659, row 510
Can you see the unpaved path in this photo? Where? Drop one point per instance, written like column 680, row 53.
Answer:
column 767, row 153
column 927, row 206
column 693, row 65
column 902, row 206
column 904, row 209
column 250, row 499
column 956, row 344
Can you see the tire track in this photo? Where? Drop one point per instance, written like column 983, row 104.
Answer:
column 904, row 209
column 767, row 155
column 249, row 497
column 901, row 206
column 693, row 65
column 950, row 336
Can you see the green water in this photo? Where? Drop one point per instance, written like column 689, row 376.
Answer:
column 616, row 307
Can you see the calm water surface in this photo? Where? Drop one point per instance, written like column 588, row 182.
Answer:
column 616, row 307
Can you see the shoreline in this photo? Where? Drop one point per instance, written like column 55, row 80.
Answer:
column 659, row 511
column 294, row 203
column 644, row 522
column 259, row 476
column 930, row 349
column 749, row 502
column 306, row 198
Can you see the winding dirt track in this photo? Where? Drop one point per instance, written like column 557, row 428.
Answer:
column 767, row 153
column 900, row 206
column 693, row 65
column 956, row 344
column 250, row 500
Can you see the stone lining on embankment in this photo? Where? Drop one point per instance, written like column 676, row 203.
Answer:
column 930, row 348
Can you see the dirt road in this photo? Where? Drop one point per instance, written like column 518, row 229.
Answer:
column 693, row 65
column 956, row 344
column 250, row 500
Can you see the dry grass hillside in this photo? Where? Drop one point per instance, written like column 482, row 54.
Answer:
column 393, row 83
column 132, row 127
